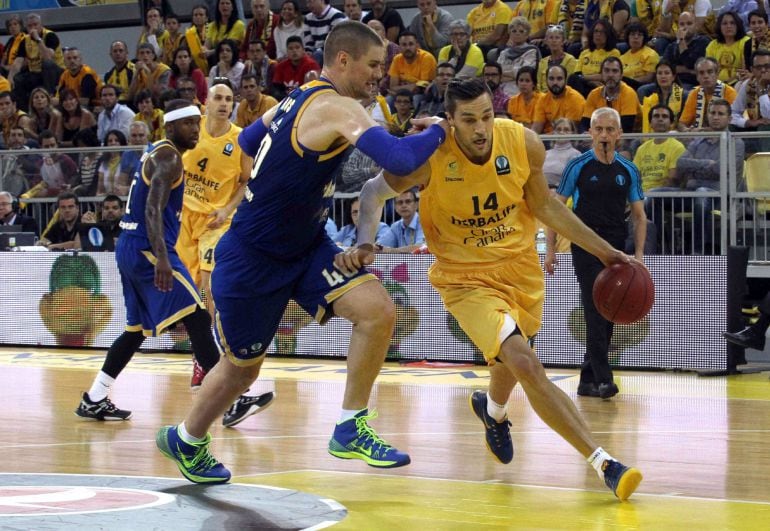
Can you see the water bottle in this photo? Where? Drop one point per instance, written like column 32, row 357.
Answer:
column 11, row 243
column 540, row 241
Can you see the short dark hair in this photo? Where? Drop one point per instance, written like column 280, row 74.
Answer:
column 67, row 195
column 47, row 133
column 464, row 90
column 6, row 94
column 247, row 77
column 143, row 95
column 720, row 102
column 496, row 66
column 446, row 64
column 110, row 86
column 527, row 70
column 294, row 38
column 671, row 116
column 759, row 52
column 755, row 13
column 407, row 33
column 112, row 198
column 352, row 37
column 612, row 59
column 403, row 93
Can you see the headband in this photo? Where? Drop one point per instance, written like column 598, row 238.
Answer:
column 184, row 112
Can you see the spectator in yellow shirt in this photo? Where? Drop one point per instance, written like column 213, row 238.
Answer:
column 413, row 69
column 640, row 60
column 521, row 107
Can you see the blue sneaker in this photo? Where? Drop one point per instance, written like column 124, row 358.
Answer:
column 621, row 480
column 355, row 439
column 498, row 433
column 194, row 460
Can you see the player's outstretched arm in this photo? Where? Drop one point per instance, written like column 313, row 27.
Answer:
column 164, row 167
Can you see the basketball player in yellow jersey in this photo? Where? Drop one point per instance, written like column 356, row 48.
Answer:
column 482, row 190
column 214, row 185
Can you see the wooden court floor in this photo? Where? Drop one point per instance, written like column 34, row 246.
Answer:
column 703, row 444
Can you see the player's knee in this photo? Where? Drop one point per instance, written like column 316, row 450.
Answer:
column 521, row 360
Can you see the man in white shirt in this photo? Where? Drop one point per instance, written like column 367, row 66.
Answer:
column 114, row 116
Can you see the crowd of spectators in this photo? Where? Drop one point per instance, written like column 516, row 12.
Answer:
column 549, row 64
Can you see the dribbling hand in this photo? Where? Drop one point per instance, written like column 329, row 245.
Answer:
column 354, row 258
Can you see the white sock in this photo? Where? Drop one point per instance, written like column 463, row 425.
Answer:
column 186, row 437
column 495, row 410
column 100, row 389
column 597, row 459
column 347, row 414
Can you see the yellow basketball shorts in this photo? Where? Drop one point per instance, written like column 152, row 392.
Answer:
column 479, row 296
column 196, row 242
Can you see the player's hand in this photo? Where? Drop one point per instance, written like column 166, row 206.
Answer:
column 218, row 218
column 619, row 257
column 354, row 258
column 550, row 262
column 420, row 124
column 164, row 275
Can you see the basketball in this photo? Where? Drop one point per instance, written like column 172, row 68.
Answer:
column 624, row 293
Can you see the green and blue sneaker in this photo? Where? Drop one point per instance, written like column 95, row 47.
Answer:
column 193, row 459
column 355, row 439
column 498, row 434
column 621, row 480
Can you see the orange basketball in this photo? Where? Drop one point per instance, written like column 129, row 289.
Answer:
column 624, row 293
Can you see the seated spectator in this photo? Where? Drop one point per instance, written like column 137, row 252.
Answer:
column 224, row 25
column 686, row 49
column 405, row 235
column 521, row 107
column 433, row 100
column 348, row 235
column 561, row 101
column 139, row 136
column 57, row 170
column 431, row 24
column 571, row 15
column 377, row 106
column 43, row 114
column 149, row 114
column 61, row 231
column 80, row 79
column 150, row 74
column 615, row 94
column 110, row 213
column 412, row 70
column 291, row 23
column 18, row 172
column 640, row 60
column 516, row 54
column 39, row 61
column 389, row 17
column 185, row 89
column 493, row 75
column 108, row 170
column 227, row 64
column 601, row 44
column 746, row 107
column 88, row 164
column 704, row 23
column 74, row 117
column 699, row 170
column 195, row 37
column 561, row 153
column 10, row 216
column 353, row 10
column 728, row 47
column 11, row 116
column 391, row 51
column 290, row 73
column 616, row 13
column 694, row 115
column 122, row 72
column 554, row 40
column 253, row 103
column 153, row 32
column 260, row 65
column 402, row 118
column 760, row 36
column 540, row 14
column 114, row 115
column 175, row 38
column 261, row 28
column 665, row 90
column 318, row 23
column 489, row 24
column 466, row 58
column 183, row 65
column 15, row 28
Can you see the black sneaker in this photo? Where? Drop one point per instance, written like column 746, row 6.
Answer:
column 498, row 434
column 608, row 390
column 104, row 409
column 587, row 389
column 246, row 406
column 746, row 338
column 620, row 479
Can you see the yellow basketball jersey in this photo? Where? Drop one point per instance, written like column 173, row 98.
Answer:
column 211, row 170
column 476, row 213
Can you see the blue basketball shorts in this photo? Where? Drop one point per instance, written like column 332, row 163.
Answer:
column 251, row 292
column 148, row 309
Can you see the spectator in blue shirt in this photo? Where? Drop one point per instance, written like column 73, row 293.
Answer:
column 405, row 235
column 348, row 235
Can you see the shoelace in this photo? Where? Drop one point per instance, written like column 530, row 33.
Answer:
column 203, row 460
column 366, row 433
column 500, row 433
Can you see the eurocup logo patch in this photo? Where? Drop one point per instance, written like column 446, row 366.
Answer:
column 228, row 149
column 502, row 165
column 620, row 180
column 96, row 237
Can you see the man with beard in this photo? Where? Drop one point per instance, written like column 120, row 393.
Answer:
column 413, row 69
column 686, row 50
column 614, row 94
column 561, row 101
column 493, row 76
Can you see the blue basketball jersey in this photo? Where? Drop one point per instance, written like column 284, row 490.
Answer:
column 133, row 222
column 291, row 188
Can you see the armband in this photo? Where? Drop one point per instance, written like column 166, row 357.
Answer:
column 252, row 136
column 400, row 156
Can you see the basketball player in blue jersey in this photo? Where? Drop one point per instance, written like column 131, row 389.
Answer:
column 277, row 249
column 157, row 288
